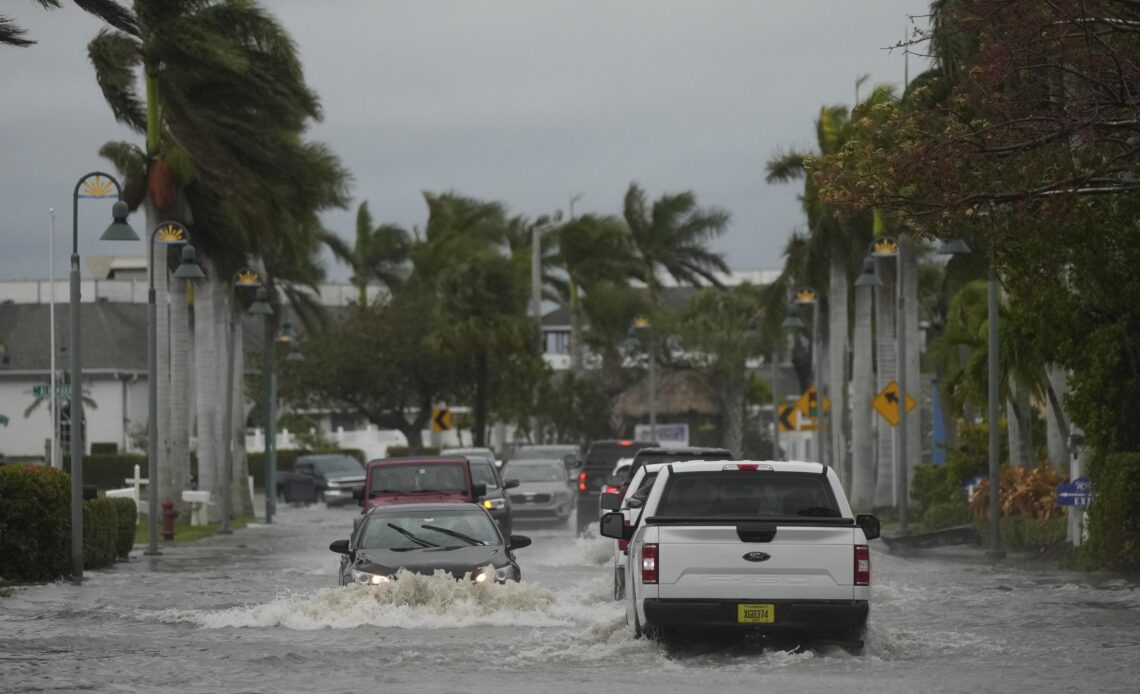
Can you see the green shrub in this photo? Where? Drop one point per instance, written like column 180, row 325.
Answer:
column 1114, row 516
column 100, row 533
column 401, row 451
column 1031, row 534
column 109, row 471
column 35, row 523
column 128, row 518
column 287, row 457
column 104, row 449
column 944, row 514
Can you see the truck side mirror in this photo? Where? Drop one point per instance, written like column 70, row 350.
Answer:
column 340, row 546
column 610, row 501
column 613, row 525
column 479, row 490
column 358, row 494
column 869, row 524
column 510, row 484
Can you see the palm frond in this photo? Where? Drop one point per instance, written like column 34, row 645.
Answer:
column 115, row 57
column 12, row 34
column 785, row 166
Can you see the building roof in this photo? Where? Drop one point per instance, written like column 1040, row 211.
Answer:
column 113, row 336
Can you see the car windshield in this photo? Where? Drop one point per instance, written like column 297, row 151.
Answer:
column 411, row 478
column 402, row 531
column 544, row 453
column 484, row 473
column 748, row 494
column 545, row 471
column 341, row 465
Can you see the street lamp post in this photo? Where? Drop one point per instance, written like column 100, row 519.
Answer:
column 888, row 247
column 792, row 321
column 808, row 297
column 93, row 185
column 752, row 333
column 242, row 278
column 643, row 323
column 959, row 247
column 286, row 336
column 170, row 234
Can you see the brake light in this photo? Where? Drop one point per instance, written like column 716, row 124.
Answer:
column 625, row 443
column 649, row 564
column 748, row 466
column 582, row 481
column 610, row 489
column 623, row 545
column 862, row 565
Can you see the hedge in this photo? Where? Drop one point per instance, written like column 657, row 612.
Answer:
column 286, row 459
column 1114, row 515
column 100, row 533
column 402, row 451
column 128, row 519
column 35, row 522
column 109, row 471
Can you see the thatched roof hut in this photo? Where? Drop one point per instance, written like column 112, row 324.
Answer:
column 678, row 393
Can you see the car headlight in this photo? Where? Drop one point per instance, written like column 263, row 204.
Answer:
column 369, row 579
column 480, row 576
column 494, row 504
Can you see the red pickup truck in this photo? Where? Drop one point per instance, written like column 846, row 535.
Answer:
column 419, row 480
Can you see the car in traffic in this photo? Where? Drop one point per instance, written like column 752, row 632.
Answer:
column 416, row 480
column 770, row 547
column 545, row 490
column 328, row 477
column 600, row 460
column 477, row 451
column 459, row 539
column 617, row 480
column 570, row 454
column 496, row 500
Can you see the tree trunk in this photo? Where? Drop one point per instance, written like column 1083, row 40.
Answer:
column 482, row 396
column 837, row 377
column 909, row 323
column 575, row 330
column 179, row 477
column 219, row 290
column 205, row 361
column 863, row 470
column 1056, row 423
column 162, row 351
column 732, row 410
column 242, row 502
column 1019, row 427
column 885, row 369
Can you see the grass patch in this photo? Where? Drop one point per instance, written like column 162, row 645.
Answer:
column 187, row 532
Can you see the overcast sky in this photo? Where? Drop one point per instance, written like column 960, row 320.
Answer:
column 523, row 101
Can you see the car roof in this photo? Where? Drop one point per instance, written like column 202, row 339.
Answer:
column 686, row 450
column 325, row 456
column 531, row 461
column 418, row 460
column 774, row 465
column 423, row 508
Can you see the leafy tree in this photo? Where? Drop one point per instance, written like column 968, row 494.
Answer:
column 11, row 34
column 380, row 253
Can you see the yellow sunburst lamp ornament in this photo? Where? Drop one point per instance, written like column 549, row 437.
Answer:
column 641, row 322
column 806, row 296
column 171, row 234
column 885, row 247
column 98, row 187
column 248, row 278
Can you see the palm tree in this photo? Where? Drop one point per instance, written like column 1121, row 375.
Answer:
column 224, row 112
column 379, row 253
column 11, row 34
column 672, row 236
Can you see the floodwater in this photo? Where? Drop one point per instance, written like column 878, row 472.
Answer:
column 258, row 611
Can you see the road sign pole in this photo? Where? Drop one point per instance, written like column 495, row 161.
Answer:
column 818, row 363
column 995, row 551
column 775, row 406
column 900, row 439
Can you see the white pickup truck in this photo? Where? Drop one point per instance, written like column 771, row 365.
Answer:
column 758, row 546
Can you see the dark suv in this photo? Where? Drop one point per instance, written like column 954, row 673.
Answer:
column 600, row 460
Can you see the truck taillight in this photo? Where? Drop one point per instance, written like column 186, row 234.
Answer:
column 582, row 481
column 610, row 489
column 649, row 564
column 862, row 565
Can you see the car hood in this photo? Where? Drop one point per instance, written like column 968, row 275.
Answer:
column 456, row 562
column 540, row 488
column 346, row 478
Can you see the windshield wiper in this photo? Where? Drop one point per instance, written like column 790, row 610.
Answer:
column 411, row 536
column 459, row 536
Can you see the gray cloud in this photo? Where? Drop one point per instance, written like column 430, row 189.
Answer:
column 522, row 101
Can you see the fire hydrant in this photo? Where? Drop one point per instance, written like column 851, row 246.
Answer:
column 169, row 513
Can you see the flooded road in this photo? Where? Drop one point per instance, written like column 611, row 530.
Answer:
column 258, row 611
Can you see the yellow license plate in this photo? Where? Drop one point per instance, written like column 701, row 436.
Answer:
column 755, row 614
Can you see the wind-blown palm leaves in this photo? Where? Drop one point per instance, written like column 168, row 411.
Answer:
column 379, row 253
column 11, row 34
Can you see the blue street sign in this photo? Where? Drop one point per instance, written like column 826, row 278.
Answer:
column 971, row 485
column 1076, row 493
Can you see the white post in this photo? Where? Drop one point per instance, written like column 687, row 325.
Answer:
column 56, row 460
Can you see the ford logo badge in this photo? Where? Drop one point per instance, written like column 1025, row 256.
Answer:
column 757, row 556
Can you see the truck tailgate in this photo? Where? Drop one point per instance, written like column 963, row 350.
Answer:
column 800, row 562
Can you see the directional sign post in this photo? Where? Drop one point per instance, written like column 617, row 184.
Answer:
column 42, row 390
column 886, row 403
column 440, row 419
column 788, row 419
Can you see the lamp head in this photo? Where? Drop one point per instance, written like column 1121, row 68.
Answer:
column 261, row 305
column 295, row 353
column 287, row 334
column 870, row 276
column 792, row 320
column 189, row 269
column 119, row 230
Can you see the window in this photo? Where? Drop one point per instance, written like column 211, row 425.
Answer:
column 557, row 341
column 749, row 494
column 435, row 529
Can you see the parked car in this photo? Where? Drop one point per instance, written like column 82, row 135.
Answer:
column 460, row 539
column 771, row 547
column 417, row 480
column 330, row 477
column 480, row 451
column 600, row 460
column 545, row 491
column 570, row 454
column 496, row 501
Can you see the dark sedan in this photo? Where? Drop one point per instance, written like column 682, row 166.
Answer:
column 460, row 539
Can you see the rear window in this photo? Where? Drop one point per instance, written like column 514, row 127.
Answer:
column 606, row 454
column 484, row 473
column 409, row 478
column 750, row 494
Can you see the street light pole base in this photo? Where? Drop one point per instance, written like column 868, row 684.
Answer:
column 995, row 554
column 152, row 553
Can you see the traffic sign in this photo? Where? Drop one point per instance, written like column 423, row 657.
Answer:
column 806, row 405
column 42, row 390
column 1076, row 493
column 440, row 419
column 788, row 419
column 886, row 403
